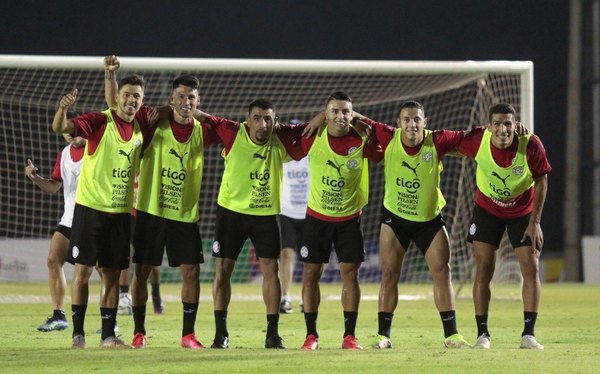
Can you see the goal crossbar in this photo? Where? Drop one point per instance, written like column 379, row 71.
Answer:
column 522, row 68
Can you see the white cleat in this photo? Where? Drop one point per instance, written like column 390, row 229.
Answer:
column 483, row 342
column 529, row 342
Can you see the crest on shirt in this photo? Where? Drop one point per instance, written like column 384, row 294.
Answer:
column 351, row 150
column 352, row 164
column 518, row 170
column 427, row 156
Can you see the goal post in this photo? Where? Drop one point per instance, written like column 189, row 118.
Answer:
column 456, row 95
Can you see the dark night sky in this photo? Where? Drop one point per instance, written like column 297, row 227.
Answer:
column 534, row 30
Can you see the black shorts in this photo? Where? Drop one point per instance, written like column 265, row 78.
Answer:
column 132, row 228
column 422, row 233
column 232, row 229
column 318, row 236
column 181, row 239
column 66, row 231
column 99, row 238
column 291, row 232
column 489, row 229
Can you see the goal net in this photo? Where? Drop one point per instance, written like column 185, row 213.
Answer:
column 456, row 95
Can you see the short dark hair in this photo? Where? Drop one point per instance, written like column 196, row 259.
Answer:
column 72, row 114
column 263, row 104
column 134, row 80
column 188, row 81
column 502, row 108
column 339, row 95
column 412, row 104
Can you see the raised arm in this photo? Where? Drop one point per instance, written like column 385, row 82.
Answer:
column 534, row 230
column 111, row 88
column 47, row 185
column 61, row 124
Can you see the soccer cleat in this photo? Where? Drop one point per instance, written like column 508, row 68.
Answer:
column 190, row 341
column 139, row 341
column 285, row 307
column 99, row 331
column 125, row 306
column 112, row 342
column 483, row 342
column 274, row 342
column 220, row 342
column 382, row 342
column 530, row 342
column 311, row 343
column 350, row 342
column 159, row 306
column 456, row 341
column 78, row 342
column 53, row 324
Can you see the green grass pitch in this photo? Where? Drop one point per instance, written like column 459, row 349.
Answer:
column 568, row 325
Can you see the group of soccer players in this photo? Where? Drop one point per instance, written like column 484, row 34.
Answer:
column 167, row 144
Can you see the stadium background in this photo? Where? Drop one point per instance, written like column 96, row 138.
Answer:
column 383, row 30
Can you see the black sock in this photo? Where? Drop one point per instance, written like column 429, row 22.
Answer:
column 449, row 323
column 529, row 318
column 155, row 291
column 189, row 318
column 124, row 289
column 139, row 319
column 78, row 316
column 272, row 325
column 311, row 323
column 385, row 323
column 221, row 323
column 350, row 323
column 59, row 314
column 109, row 318
column 482, row 326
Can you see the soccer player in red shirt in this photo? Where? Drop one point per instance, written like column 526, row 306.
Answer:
column 511, row 190
column 411, row 212
column 338, row 192
column 101, row 223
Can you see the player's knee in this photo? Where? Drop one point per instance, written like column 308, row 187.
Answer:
column 54, row 261
column 190, row 274
column 311, row 274
column 222, row 276
column 440, row 270
column 390, row 274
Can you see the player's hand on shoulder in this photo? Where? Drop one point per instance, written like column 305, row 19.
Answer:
column 363, row 129
column 153, row 116
column 316, row 124
column 112, row 63
column 30, row 169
